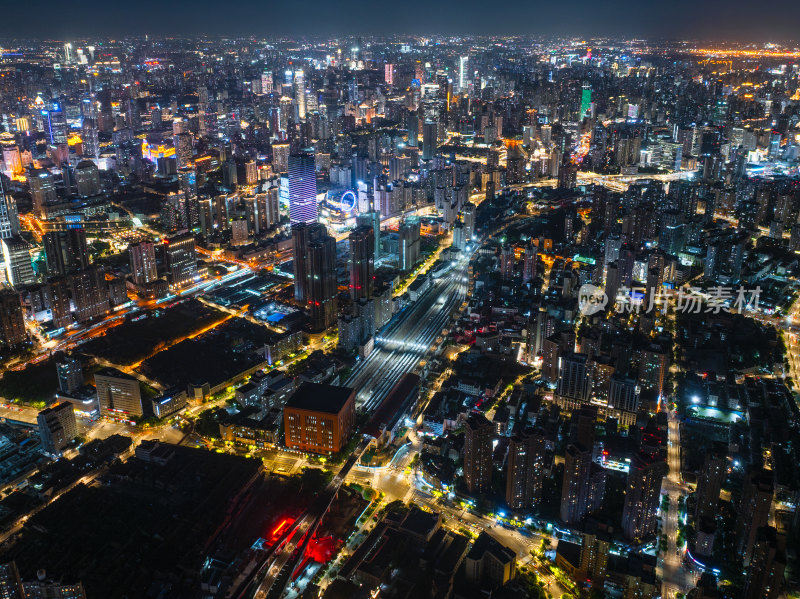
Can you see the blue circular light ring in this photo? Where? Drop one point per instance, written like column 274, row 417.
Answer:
column 348, row 205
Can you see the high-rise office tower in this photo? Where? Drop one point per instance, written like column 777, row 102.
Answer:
column 187, row 183
column 478, row 434
column 300, row 93
column 463, row 74
column 586, row 100
column 57, row 427
column 16, row 254
column 87, row 178
column 408, row 243
column 525, row 469
column 429, row 140
column 754, row 509
column 321, row 285
column 56, row 125
column 468, row 218
column 767, row 565
column 12, row 159
column 181, row 259
column 9, row 218
column 280, row 158
column 642, row 495
column 266, row 82
column 302, row 189
column 156, row 118
column 302, row 235
column 43, row 190
column 70, row 373
column 66, row 251
column 413, row 129
column 89, row 135
column 362, row 262
column 143, row 262
column 372, row 219
column 89, row 293
column 12, row 320
column 183, row 148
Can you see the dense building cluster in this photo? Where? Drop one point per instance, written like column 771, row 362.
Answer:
column 546, row 290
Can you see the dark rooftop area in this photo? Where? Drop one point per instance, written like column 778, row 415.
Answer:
column 319, row 397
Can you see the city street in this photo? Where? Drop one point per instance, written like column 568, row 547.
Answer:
column 675, row 578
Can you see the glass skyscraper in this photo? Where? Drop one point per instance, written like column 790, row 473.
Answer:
column 302, row 189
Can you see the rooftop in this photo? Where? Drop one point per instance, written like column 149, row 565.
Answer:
column 319, row 397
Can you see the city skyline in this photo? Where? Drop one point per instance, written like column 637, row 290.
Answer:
column 368, row 316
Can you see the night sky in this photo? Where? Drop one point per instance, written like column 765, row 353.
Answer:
column 744, row 20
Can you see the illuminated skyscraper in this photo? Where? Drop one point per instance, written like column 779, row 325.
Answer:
column 642, row 495
column 183, row 148
column 181, row 259
column 372, row 219
column 55, row 125
column 143, row 262
column 91, row 142
column 303, row 234
column 57, row 293
column 362, row 262
column 302, row 189
column 266, row 82
column 16, row 254
column 463, row 74
column 583, row 485
column 70, row 374
column 9, row 219
column 478, row 435
column 409, row 243
column 87, row 178
column 66, row 251
column 300, row 93
column 12, row 321
column 280, row 158
column 118, row 394
column 89, row 293
column 429, row 141
column 526, row 466
column 586, row 99
column 321, row 282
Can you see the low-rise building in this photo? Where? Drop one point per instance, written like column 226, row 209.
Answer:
column 319, row 418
